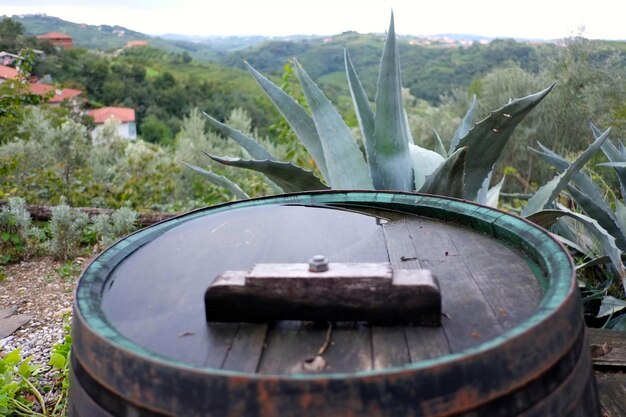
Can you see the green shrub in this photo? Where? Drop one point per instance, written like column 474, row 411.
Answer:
column 18, row 237
column 66, row 228
column 110, row 228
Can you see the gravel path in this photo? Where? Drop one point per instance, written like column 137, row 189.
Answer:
column 42, row 290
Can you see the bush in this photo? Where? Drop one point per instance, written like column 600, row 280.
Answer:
column 66, row 228
column 110, row 228
column 18, row 238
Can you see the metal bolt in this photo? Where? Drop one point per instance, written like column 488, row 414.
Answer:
column 318, row 263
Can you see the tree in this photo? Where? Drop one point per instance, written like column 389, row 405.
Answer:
column 152, row 129
column 11, row 32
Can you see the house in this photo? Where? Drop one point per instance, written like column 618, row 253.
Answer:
column 133, row 44
column 58, row 39
column 7, row 73
column 7, row 58
column 59, row 94
column 124, row 115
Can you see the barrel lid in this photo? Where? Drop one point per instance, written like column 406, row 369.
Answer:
column 499, row 274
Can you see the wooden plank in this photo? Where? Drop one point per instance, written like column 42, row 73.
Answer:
column 220, row 340
column 426, row 342
column 288, row 345
column 389, row 347
column 468, row 320
column 421, row 342
column 247, row 347
column 608, row 347
column 350, row 349
column 508, row 284
column 612, row 392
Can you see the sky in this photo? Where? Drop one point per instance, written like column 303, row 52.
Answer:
column 545, row 19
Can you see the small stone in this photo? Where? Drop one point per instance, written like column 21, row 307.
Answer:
column 62, row 312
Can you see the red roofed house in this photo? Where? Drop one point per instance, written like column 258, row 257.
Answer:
column 7, row 73
column 57, row 38
column 59, row 96
column 124, row 115
column 133, row 44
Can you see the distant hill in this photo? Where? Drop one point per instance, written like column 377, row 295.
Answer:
column 105, row 37
column 232, row 43
column 431, row 66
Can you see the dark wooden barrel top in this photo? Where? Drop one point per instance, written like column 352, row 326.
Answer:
column 155, row 297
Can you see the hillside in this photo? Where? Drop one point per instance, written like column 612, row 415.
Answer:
column 106, row 37
column 431, row 67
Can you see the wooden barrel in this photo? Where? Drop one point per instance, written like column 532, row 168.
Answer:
column 511, row 342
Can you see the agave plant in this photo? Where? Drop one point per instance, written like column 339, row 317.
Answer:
column 605, row 227
column 391, row 161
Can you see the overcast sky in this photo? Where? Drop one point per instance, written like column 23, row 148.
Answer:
column 603, row 19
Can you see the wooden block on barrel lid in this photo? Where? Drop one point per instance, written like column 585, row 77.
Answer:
column 345, row 292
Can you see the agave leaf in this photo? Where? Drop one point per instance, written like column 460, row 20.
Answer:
column 299, row 120
column 613, row 164
column 391, row 157
column 254, row 148
column 439, row 148
column 344, row 160
column 487, row 139
column 493, row 196
column 605, row 217
column 547, row 218
column 448, row 178
column 620, row 216
column 221, row 181
column 622, row 148
column 286, row 175
column 464, row 127
column 580, row 179
column 481, row 197
column 364, row 112
column 601, row 260
column 610, row 305
column 571, row 244
column 617, row 323
column 549, row 191
column 615, row 156
column 425, row 162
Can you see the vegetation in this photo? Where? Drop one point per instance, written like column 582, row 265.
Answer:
column 48, row 156
column 22, row 394
column 393, row 161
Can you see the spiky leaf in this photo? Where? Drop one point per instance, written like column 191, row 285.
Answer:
column 301, row 123
column 254, row 148
column 424, row 162
column 439, row 148
column 615, row 155
column 464, row 127
column 391, row 159
column 286, row 175
column 487, row 139
column 620, row 216
column 344, row 161
column 363, row 110
column 610, row 305
column 220, row 181
column 547, row 218
column 601, row 213
column 448, row 178
column 580, row 179
column 550, row 191
column 493, row 195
